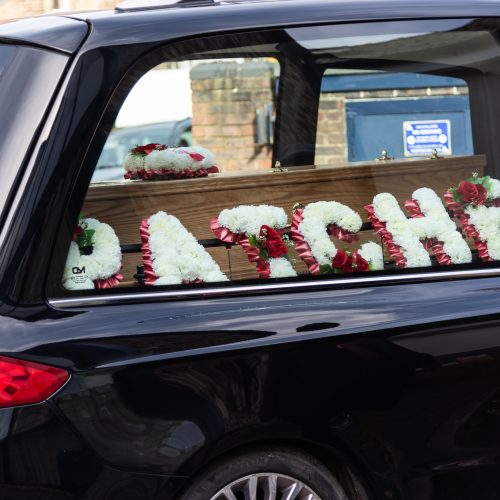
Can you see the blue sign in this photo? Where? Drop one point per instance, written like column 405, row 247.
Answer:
column 422, row 137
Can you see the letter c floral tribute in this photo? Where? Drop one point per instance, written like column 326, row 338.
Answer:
column 310, row 229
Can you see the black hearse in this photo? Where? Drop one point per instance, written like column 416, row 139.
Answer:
column 258, row 316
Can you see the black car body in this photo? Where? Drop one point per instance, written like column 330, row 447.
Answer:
column 390, row 382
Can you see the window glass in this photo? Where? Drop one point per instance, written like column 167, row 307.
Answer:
column 407, row 115
column 34, row 73
column 226, row 104
column 298, row 154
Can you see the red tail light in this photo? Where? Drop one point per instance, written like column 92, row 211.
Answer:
column 25, row 382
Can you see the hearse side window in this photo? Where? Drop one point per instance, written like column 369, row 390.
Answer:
column 407, row 115
column 297, row 154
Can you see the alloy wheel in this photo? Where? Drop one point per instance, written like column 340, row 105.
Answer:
column 266, row 486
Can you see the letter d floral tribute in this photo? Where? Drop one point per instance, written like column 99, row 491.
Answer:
column 94, row 258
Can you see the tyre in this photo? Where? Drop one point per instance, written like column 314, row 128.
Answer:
column 279, row 474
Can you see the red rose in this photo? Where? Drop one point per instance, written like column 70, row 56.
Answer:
column 472, row 193
column 360, row 265
column 347, row 267
column 340, row 259
column 481, row 194
column 77, row 232
column 149, row 148
column 273, row 243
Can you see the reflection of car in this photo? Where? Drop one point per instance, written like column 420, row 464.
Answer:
column 110, row 164
column 333, row 384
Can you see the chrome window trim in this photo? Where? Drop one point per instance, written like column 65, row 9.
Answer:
column 152, row 296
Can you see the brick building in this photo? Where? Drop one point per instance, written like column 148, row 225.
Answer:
column 13, row 9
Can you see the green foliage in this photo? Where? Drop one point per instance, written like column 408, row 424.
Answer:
column 252, row 239
column 86, row 238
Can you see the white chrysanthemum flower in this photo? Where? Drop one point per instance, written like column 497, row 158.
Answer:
column 132, row 163
column 281, row 268
column 249, row 218
column 159, row 160
column 494, row 191
column 182, row 161
column 486, row 221
column 373, row 254
column 386, row 209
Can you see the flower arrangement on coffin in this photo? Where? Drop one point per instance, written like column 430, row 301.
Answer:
column 259, row 230
column 157, row 161
column 475, row 202
column 433, row 226
column 94, row 258
column 311, row 227
column 346, row 262
column 402, row 244
column 172, row 255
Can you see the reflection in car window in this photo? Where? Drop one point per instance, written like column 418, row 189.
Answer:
column 34, row 73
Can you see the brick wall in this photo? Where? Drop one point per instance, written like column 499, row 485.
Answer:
column 13, row 9
column 225, row 97
column 331, row 135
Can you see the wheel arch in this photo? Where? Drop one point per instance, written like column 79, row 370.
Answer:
column 353, row 476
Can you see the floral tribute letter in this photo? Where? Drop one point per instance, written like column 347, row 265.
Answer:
column 94, row 258
column 432, row 225
column 396, row 231
column 172, row 255
column 476, row 205
column 259, row 231
column 310, row 229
